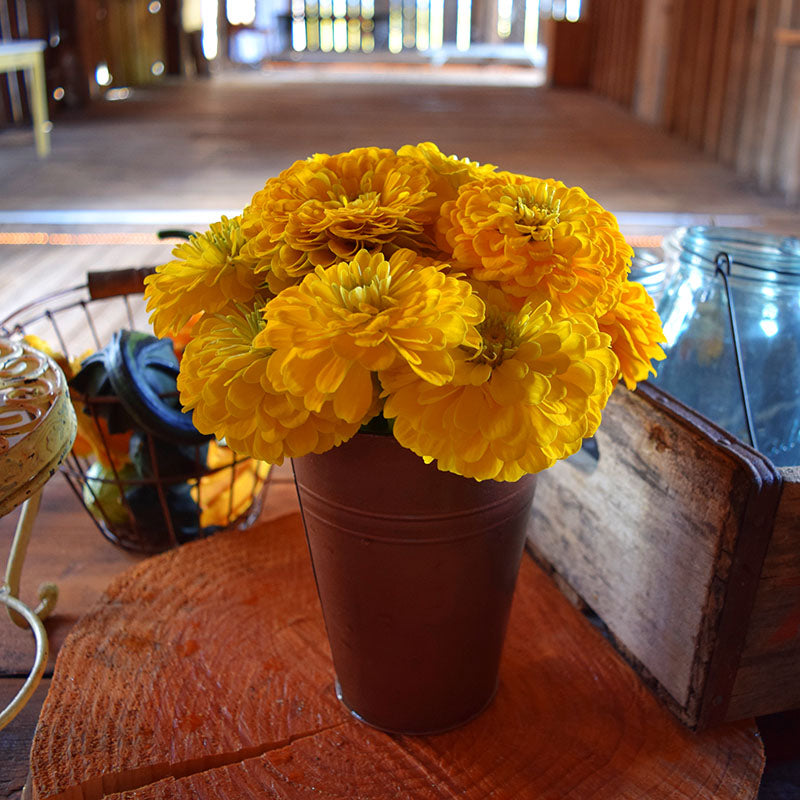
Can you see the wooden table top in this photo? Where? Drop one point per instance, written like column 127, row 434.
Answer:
column 66, row 548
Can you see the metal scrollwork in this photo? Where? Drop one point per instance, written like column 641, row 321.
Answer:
column 29, row 386
column 37, row 428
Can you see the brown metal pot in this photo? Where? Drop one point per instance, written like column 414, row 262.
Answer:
column 415, row 570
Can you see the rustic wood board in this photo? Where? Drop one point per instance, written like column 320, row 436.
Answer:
column 15, row 738
column 705, row 24
column 788, row 149
column 687, row 45
column 769, row 166
column 767, row 678
column 720, row 49
column 762, row 53
column 663, row 536
column 616, row 34
column 205, row 673
column 790, row 180
column 736, row 79
column 73, row 555
column 651, row 71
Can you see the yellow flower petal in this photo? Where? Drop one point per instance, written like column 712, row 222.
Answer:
column 538, row 239
column 534, row 406
column 636, row 334
column 216, row 382
column 327, row 208
column 210, row 273
column 354, row 318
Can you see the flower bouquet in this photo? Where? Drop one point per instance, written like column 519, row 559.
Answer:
column 482, row 317
column 421, row 335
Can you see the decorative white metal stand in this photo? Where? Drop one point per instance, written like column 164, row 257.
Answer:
column 37, row 429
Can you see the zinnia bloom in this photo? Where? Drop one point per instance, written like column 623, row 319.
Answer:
column 345, row 323
column 636, row 333
column 209, row 274
column 327, row 208
column 223, row 380
column 530, row 397
column 448, row 173
column 539, row 239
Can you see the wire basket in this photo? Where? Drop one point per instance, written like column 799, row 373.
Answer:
column 174, row 500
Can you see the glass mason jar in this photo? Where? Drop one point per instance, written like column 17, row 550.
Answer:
column 701, row 365
column 649, row 269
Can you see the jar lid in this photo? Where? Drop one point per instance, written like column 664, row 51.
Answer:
column 773, row 256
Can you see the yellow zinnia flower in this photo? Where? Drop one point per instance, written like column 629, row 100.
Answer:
column 327, row 208
column 530, row 397
column 449, row 173
column 209, row 274
column 539, row 239
column 345, row 323
column 223, row 380
column 636, row 333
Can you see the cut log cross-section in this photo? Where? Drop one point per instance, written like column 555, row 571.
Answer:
column 205, row 673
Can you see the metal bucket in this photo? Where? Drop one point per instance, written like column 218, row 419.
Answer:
column 415, row 570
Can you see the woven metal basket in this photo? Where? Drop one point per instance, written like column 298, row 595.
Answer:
column 133, row 511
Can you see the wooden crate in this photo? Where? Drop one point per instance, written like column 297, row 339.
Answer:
column 686, row 543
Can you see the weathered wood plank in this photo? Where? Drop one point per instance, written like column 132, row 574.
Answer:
column 26, row 269
column 601, row 48
column 705, row 21
column 657, row 537
column 755, row 100
column 67, row 549
column 787, row 36
column 769, row 164
column 16, row 737
column 651, row 71
column 767, row 677
column 634, row 44
column 736, row 86
column 616, row 34
column 687, row 54
column 729, row 83
column 71, row 554
column 675, row 17
column 789, row 180
column 788, row 170
column 720, row 47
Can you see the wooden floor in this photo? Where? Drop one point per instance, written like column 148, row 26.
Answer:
column 185, row 152
column 181, row 154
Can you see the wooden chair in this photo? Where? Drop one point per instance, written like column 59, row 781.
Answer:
column 28, row 55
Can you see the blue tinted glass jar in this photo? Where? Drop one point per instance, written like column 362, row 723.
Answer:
column 701, row 367
column 649, row 269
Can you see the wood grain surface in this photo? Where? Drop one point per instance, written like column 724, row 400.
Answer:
column 205, row 672
column 211, row 144
column 663, row 536
column 15, row 739
column 767, row 676
column 729, row 84
column 66, row 548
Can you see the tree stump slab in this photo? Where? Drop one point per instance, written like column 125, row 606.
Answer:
column 205, row 673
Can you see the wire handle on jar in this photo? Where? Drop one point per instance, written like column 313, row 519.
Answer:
column 723, row 269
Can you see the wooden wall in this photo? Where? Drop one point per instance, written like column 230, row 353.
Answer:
column 128, row 36
column 616, row 30
column 722, row 74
